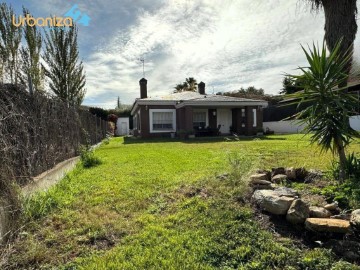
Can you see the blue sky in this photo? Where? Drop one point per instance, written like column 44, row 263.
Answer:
column 227, row 44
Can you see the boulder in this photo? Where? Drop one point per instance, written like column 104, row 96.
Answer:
column 342, row 216
column 262, row 187
column 268, row 173
column 258, row 177
column 327, row 225
column 301, row 173
column 279, row 178
column 276, row 171
column 271, row 202
column 319, row 212
column 298, row 212
column 313, row 175
column 285, row 191
column 355, row 219
column 290, row 173
column 331, row 206
column 259, row 182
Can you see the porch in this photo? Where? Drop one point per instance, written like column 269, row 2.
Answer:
column 200, row 121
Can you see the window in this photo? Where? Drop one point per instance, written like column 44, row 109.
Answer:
column 254, row 116
column 199, row 119
column 162, row 120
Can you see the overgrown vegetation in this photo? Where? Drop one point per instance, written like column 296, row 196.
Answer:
column 161, row 204
column 87, row 156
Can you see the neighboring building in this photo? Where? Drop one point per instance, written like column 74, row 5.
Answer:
column 122, row 126
column 195, row 112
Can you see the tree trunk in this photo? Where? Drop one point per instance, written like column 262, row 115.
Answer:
column 342, row 159
column 340, row 22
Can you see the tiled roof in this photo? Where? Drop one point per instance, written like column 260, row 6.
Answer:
column 195, row 96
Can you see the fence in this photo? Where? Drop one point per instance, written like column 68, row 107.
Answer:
column 37, row 132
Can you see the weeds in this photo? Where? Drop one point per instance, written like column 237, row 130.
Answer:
column 87, row 157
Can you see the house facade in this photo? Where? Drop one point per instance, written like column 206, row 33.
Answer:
column 195, row 112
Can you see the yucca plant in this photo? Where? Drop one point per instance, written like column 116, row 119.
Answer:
column 327, row 118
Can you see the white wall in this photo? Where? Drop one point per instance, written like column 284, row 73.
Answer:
column 355, row 122
column 295, row 127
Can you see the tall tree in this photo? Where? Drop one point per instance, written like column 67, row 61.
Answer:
column 118, row 105
column 9, row 42
column 340, row 23
column 290, row 85
column 189, row 85
column 31, row 55
column 64, row 70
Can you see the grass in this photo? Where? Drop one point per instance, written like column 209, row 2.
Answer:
column 158, row 204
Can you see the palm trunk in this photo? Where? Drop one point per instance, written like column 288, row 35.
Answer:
column 342, row 158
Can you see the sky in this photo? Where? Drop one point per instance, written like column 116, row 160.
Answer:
column 227, row 44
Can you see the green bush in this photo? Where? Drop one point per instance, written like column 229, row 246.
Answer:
column 87, row 157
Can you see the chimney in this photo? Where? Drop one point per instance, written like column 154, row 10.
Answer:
column 201, row 87
column 143, row 88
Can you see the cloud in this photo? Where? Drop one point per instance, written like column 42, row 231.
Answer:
column 227, row 44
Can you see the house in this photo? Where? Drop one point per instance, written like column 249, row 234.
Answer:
column 195, row 112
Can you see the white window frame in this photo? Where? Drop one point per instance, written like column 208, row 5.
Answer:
column 254, row 116
column 203, row 111
column 151, row 111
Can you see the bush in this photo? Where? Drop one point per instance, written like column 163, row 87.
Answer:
column 87, row 157
column 352, row 167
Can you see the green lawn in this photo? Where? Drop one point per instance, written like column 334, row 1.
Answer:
column 158, row 204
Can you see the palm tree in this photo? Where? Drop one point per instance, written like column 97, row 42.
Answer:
column 340, row 23
column 327, row 119
column 191, row 84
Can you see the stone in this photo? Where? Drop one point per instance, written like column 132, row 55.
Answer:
column 298, row 212
column 319, row 212
column 279, row 178
column 258, row 176
column 331, row 206
column 342, row 216
column 268, row 173
column 262, row 187
column 276, row 171
column 271, row 202
column 301, row 173
column 260, row 182
column 313, row 175
column 290, row 173
column 355, row 219
column 327, row 225
column 285, row 191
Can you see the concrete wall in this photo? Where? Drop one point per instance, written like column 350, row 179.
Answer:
column 295, row 127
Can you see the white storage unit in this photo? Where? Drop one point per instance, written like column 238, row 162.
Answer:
column 122, row 126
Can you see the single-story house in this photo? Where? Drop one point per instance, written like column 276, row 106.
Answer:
column 194, row 112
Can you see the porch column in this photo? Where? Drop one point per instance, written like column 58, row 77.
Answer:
column 188, row 119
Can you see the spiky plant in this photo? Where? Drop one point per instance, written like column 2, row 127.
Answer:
column 327, row 119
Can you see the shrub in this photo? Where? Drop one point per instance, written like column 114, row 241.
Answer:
column 87, row 157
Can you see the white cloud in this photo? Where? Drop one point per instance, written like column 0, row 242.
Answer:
column 227, row 44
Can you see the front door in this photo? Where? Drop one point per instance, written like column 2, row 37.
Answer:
column 224, row 119
column 123, row 128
